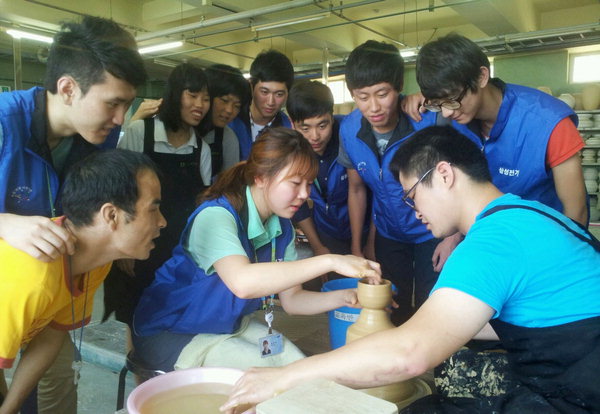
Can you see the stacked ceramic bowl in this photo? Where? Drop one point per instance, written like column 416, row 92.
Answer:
column 596, row 119
column 593, row 140
column 590, row 176
column 588, row 156
column 586, row 121
column 594, row 212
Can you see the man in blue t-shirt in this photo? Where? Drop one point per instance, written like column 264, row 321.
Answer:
column 525, row 274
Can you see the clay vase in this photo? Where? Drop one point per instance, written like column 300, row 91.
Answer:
column 590, row 97
column 374, row 318
column 578, row 101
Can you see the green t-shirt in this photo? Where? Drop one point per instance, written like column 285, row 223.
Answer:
column 214, row 235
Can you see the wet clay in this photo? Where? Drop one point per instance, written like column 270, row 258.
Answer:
column 373, row 318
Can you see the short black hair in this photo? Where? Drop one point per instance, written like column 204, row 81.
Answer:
column 372, row 63
column 107, row 176
column 86, row 50
column 227, row 80
column 427, row 147
column 184, row 77
column 449, row 64
column 308, row 99
column 272, row 66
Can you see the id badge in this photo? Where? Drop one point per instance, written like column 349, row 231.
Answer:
column 270, row 345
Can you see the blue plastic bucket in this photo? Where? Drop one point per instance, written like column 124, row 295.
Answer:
column 341, row 318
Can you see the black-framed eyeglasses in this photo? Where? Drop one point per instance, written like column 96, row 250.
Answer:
column 406, row 197
column 451, row 104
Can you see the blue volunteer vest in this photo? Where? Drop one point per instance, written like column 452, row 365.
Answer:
column 516, row 150
column 241, row 126
column 184, row 299
column 28, row 181
column 330, row 213
column 30, row 184
column 392, row 217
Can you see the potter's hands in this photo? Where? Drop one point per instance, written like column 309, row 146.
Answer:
column 38, row 236
column 126, row 266
column 393, row 305
column 357, row 267
column 349, row 298
column 412, row 105
column 255, row 386
column 148, row 108
column 443, row 251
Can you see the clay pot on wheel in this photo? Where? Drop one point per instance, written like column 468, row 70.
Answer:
column 373, row 317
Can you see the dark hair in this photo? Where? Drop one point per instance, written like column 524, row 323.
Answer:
column 308, row 99
column 107, row 176
column 427, row 147
column 274, row 149
column 372, row 63
column 272, row 66
column 225, row 80
column 449, row 64
column 184, row 77
column 86, row 50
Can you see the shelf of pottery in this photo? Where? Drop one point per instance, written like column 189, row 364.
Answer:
column 589, row 127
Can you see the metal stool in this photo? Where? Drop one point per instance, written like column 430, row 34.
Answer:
column 134, row 365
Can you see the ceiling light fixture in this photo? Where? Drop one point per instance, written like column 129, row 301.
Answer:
column 289, row 22
column 406, row 53
column 165, row 62
column 18, row 34
column 159, row 47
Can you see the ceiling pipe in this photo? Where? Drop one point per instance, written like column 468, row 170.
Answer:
column 287, row 5
column 344, row 23
column 329, row 8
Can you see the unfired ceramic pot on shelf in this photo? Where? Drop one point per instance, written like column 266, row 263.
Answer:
column 373, row 317
column 590, row 97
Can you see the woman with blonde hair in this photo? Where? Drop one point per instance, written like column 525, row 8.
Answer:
column 235, row 253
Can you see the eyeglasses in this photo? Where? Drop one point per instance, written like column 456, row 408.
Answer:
column 451, row 104
column 409, row 201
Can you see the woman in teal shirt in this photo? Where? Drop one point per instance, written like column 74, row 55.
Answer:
column 237, row 250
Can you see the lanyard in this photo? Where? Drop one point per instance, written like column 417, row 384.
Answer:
column 77, row 362
column 50, row 197
column 268, row 304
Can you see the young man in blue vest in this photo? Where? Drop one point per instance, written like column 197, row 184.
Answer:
column 327, row 226
column 369, row 138
column 529, row 138
column 271, row 78
column 525, row 274
column 92, row 74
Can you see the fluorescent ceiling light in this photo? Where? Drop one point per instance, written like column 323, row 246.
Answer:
column 408, row 53
column 159, row 47
column 289, row 22
column 247, row 76
column 17, row 34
